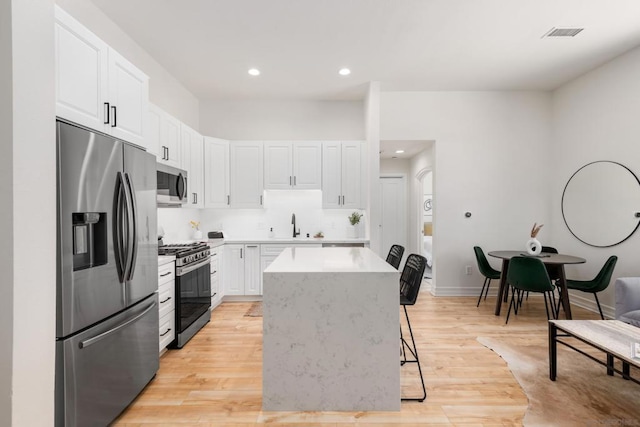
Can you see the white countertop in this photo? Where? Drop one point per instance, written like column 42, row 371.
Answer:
column 165, row 259
column 289, row 240
column 329, row 260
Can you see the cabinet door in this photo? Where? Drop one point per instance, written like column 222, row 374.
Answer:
column 265, row 262
column 278, row 161
column 216, row 173
column 152, row 136
column 197, row 165
column 129, row 100
column 191, row 145
column 170, row 140
column 252, row 271
column 246, row 174
column 81, row 73
column 307, row 165
column 331, row 175
column 351, row 174
column 233, row 278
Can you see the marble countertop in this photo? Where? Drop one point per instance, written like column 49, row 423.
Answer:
column 329, row 260
column 289, row 240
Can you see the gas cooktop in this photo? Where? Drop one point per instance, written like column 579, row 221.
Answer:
column 182, row 249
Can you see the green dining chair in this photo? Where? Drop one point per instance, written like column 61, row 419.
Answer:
column 486, row 270
column 528, row 274
column 598, row 284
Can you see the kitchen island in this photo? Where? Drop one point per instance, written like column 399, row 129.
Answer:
column 331, row 337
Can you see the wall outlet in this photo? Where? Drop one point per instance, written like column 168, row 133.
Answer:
column 467, row 270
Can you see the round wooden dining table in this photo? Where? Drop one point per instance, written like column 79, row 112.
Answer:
column 547, row 258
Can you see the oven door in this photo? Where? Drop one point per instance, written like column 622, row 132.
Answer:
column 172, row 186
column 193, row 292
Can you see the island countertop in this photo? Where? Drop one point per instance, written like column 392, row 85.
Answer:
column 329, row 260
column 331, row 331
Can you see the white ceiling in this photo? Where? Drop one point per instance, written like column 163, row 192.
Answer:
column 299, row 45
column 410, row 148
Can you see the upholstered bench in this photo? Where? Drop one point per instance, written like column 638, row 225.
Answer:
column 628, row 300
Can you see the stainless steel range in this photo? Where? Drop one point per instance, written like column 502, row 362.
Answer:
column 193, row 288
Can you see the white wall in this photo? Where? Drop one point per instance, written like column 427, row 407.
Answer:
column 595, row 117
column 27, row 218
column 371, row 166
column 282, row 120
column 490, row 153
column 164, row 90
column 419, row 163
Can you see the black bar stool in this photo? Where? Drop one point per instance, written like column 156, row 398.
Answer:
column 395, row 256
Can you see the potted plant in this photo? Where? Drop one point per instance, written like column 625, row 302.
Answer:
column 354, row 219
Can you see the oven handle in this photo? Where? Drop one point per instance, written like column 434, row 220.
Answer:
column 181, row 271
column 93, row 340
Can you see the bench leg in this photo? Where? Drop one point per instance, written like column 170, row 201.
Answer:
column 609, row 364
column 553, row 351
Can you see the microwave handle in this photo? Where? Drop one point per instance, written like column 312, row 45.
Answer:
column 181, row 186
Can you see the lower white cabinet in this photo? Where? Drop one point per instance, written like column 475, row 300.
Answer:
column 242, row 269
column 166, row 304
column 217, row 290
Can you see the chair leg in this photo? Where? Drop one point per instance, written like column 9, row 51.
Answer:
column 546, row 306
column 511, row 305
column 487, row 291
column 482, row 290
column 402, row 352
column 414, row 352
column 599, row 308
column 554, row 308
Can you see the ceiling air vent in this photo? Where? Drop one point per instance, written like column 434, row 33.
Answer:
column 563, row 32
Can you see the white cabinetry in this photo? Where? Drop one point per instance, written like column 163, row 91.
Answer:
column 243, row 275
column 246, row 179
column 163, row 138
column 216, row 276
column 268, row 253
column 216, row 173
column 166, row 304
column 293, row 165
column 192, row 161
column 97, row 87
column 341, row 171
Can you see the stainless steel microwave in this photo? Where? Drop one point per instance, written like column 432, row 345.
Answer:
column 172, row 186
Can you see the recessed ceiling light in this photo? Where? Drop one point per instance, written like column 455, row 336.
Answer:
column 399, row 151
column 344, row 71
column 254, row 71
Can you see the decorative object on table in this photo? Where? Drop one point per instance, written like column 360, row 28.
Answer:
column 318, row 235
column 354, row 219
column 533, row 245
column 197, row 234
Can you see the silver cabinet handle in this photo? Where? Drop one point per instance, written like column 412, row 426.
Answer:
column 252, row 246
column 240, row 252
column 343, row 200
column 106, row 116
column 289, row 180
column 294, row 181
column 260, row 200
column 115, row 117
column 90, row 341
column 228, row 200
column 165, row 274
column 338, row 199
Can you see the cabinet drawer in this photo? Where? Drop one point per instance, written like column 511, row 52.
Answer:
column 166, row 273
column 274, row 249
column 215, row 266
column 167, row 330
column 167, row 301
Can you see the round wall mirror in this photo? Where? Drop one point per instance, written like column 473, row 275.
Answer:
column 601, row 203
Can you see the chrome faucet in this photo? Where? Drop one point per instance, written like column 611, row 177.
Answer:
column 293, row 221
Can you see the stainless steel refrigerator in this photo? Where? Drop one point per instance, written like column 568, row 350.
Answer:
column 107, row 276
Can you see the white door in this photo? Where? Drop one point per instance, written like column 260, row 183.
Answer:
column 246, row 169
column 351, row 174
column 129, row 100
column 331, row 175
column 307, row 165
column 252, row 271
column 393, row 213
column 278, row 162
column 233, row 277
column 81, row 73
column 216, row 172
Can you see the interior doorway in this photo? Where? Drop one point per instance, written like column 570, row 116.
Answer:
column 426, row 229
column 393, row 228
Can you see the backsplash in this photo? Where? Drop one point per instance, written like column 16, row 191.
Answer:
column 279, row 205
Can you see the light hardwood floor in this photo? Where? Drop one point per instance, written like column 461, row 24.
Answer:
column 216, row 379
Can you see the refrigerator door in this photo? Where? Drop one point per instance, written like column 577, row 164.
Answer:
column 88, row 286
column 142, row 266
column 101, row 370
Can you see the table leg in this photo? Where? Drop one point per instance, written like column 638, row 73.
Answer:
column 503, row 286
column 565, row 293
column 625, row 370
column 609, row 364
column 553, row 351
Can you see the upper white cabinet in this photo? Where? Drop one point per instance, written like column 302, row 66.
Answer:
column 193, row 162
column 292, row 165
column 341, row 171
column 216, row 173
column 95, row 86
column 163, row 137
column 246, row 174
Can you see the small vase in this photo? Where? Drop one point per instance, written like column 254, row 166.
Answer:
column 534, row 247
column 197, row 235
column 352, row 231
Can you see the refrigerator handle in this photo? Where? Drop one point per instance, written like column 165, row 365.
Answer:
column 99, row 337
column 129, row 230
column 133, row 226
column 118, row 246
